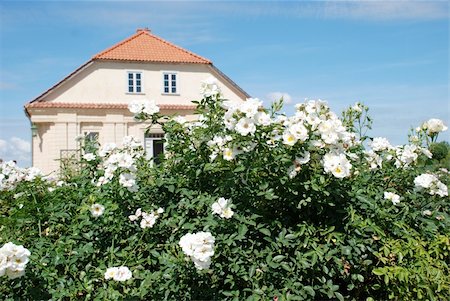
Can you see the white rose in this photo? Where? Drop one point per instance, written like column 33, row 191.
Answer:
column 222, row 208
column 97, row 210
column 394, row 198
column 150, row 107
column 89, row 157
column 424, row 180
column 337, row 164
column 229, row 154
column 110, row 273
column 289, row 138
column 210, row 87
column 379, row 144
column 123, row 273
column 136, row 106
column 245, row 126
column 434, row 126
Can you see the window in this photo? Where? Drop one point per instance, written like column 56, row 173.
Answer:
column 91, row 140
column 91, row 136
column 154, row 147
column 170, row 83
column 134, row 82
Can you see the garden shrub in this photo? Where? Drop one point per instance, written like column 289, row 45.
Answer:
column 247, row 204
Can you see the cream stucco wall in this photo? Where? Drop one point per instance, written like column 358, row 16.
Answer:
column 108, row 82
column 58, row 128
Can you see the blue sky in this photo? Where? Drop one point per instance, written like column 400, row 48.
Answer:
column 391, row 55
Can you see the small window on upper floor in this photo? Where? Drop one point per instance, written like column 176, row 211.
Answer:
column 170, row 83
column 134, row 82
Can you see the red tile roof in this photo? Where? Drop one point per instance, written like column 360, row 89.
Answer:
column 65, row 105
column 146, row 47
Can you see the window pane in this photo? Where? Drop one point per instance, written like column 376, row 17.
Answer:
column 174, row 76
column 166, row 90
column 130, row 82
column 174, row 84
column 138, row 76
column 92, row 136
column 138, row 89
column 130, row 89
column 138, row 82
column 166, row 83
column 166, row 76
column 157, row 150
column 174, row 90
column 130, row 75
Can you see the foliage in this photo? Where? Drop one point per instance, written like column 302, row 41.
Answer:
column 441, row 153
column 298, row 232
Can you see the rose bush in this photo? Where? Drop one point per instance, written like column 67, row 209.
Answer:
column 248, row 204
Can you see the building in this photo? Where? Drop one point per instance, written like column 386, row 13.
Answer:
column 93, row 99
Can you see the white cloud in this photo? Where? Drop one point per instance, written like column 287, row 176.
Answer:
column 7, row 86
column 20, row 145
column 3, row 145
column 16, row 149
column 181, row 23
column 383, row 10
column 275, row 96
column 346, row 9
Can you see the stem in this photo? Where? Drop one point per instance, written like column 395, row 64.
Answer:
column 39, row 214
column 112, row 252
column 138, row 243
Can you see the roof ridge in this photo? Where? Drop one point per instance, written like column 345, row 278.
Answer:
column 118, row 44
column 175, row 46
column 149, row 34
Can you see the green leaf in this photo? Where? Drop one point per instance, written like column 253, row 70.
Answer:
column 346, row 250
column 228, row 294
column 339, row 296
column 309, row 290
column 239, row 168
column 251, row 271
column 285, row 266
column 279, row 258
column 379, row 271
column 290, row 236
column 242, row 230
column 263, row 186
column 265, row 231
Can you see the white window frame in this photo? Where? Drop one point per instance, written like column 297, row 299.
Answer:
column 135, row 82
column 177, row 83
column 148, row 144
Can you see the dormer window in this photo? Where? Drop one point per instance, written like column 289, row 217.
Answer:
column 170, row 83
column 134, row 82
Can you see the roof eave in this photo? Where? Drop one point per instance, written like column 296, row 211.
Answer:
column 236, row 86
column 61, row 82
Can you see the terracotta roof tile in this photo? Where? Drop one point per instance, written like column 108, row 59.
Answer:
column 65, row 105
column 146, row 47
